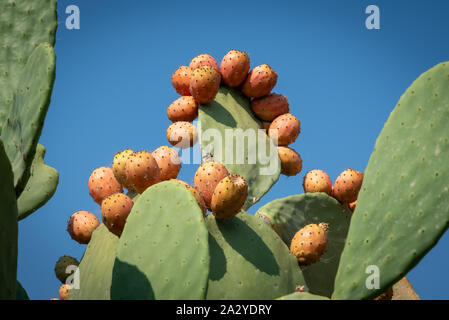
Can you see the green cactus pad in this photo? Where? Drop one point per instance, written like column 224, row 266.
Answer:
column 95, row 270
column 21, row 293
column 249, row 260
column 302, row 296
column 23, row 26
column 40, row 187
column 163, row 252
column 403, row 206
column 290, row 214
column 23, row 126
column 8, row 229
column 231, row 111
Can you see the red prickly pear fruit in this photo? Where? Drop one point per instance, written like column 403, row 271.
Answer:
column 207, row 176
column 115, row 210
column 310, row 243
column 270, row 106
column 317, row 181
column 184, row 108
column 81, row 225
column 204, row 59
column 352, row 205
column 260, row 81
column 195, row 193
column 61, row 267
column 234, row 68
column 182, row 134
column 204, row 84
column 64, row 292
column 142, row 171
column 102, row 183
column 181, row 80
column 285, row 129
column 229, row 197
column 168, row 161
column 118, row 166
column 347, row 186
column 291, row 162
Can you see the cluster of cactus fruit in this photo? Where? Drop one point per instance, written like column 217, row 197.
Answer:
column 157, row 240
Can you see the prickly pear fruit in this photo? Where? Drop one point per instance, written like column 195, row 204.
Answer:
column 204, row 59
column 260, row 81
column 184, row 108
column 207, row 176
column 347, row 186
column 285, row 129
column 81, row 225
column 142, row 171
column 181, row 80
column 102, row 183
column 352, row 205
column 310, row 243
column 229, row 197
column 291, row 162
column 266, row 125
column 61, row 271
column 317, row 181
column 182, row 134
column 234, row 68
column 270, row 106
column 118, row 166
column 64, row 292
column 114, row 212
column 195, row 193
column 204, row 84
column 168, row 161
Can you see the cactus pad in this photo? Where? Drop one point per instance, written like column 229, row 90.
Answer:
column 23, row 126
column 290, row 214
column 21, row 293
column 249, row 260
column 230, row 114
column 95, row 269
column 23, row 26
column 8, row 229
column 163, row 252
column 403, row 206
column 302, row 296
column 40, row 186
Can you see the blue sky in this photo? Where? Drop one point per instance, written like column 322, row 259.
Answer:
column 113, row 87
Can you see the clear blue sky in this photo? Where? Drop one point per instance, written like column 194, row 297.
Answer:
column 113, row 86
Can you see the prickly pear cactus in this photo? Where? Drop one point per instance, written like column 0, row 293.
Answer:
column 302, row 296
column 22, row 128
column 23, row 26
column 249, row 260
column 95, row 270
column 40, row 187
column 403, row 206
column 163, row 252
column 8, row 229
column 290, row 214
column 230, row 114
